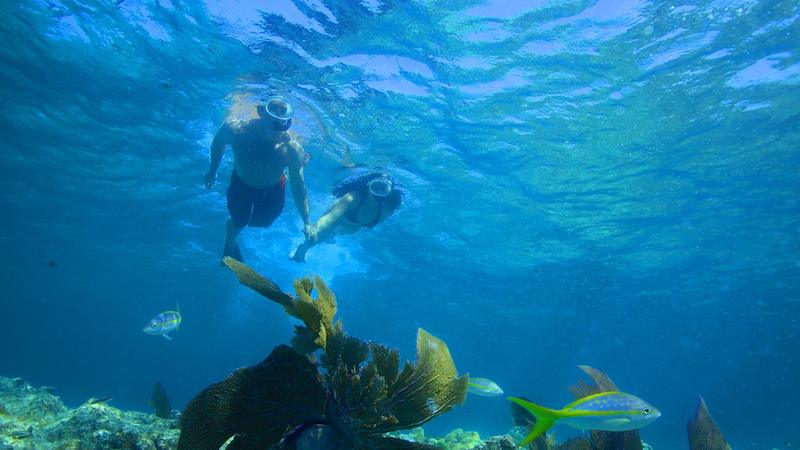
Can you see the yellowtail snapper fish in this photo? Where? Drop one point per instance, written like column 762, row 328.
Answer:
column 606, row 411
column 164, row 323
column 483, row 387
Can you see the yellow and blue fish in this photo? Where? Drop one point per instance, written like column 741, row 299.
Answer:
column 483, row 387
column 606, row 411
column 164, row 323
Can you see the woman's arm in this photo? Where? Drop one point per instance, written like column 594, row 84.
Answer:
column 326, row 224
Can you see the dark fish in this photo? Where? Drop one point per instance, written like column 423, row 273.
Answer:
column 160, row 402
column 23, row 434
column 704, row 434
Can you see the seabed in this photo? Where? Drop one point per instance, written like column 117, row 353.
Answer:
column 35, row 418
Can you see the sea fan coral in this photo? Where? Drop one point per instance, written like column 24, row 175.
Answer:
column 354, row 395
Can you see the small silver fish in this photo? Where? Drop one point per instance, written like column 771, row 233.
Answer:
column 164, row 323
column 228, row 442
column 100, row 400
column 483, row 387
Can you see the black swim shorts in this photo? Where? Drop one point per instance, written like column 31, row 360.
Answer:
column 253, row 206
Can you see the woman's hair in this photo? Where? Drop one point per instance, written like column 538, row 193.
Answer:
column 359, row 181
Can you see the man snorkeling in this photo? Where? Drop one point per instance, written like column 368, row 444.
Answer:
column 362, row 201
column 262, row 149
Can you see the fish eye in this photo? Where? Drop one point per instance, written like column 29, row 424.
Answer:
column 647, row 410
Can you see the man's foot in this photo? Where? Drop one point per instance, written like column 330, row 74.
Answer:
column 299, row 254
column 233, row 251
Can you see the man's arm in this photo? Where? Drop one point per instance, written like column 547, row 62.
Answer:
column 297, row 181
column 221, row 140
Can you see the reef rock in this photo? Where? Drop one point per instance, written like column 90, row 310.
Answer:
column 34, row 418
column 498, row 443
column 704, row 434
column 459, row 439
column 576, row 444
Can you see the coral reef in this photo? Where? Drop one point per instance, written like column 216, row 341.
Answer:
column 34, row 418
column 704, row 434
column 498, row 443
column 576, row 444
column 459, row 439
column 349, row 400
column 258, row 403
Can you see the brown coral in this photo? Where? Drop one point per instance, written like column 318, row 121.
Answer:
column 317, row 314
column 355, row 395
column 259, row 404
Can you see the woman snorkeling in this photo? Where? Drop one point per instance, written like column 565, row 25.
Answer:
column 362, row 201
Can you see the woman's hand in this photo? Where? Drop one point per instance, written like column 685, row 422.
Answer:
column 310, row 230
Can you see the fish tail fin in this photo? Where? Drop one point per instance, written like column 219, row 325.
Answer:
column 545, row 419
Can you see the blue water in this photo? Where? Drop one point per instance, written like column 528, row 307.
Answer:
column 612, row 183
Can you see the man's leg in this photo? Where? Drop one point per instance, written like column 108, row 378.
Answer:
column 231, row 247
column 239, row 207
column 231, row 233
column 299, row 254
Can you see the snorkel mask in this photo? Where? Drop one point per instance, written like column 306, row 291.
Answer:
column 279, row 110
column 381, row 187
